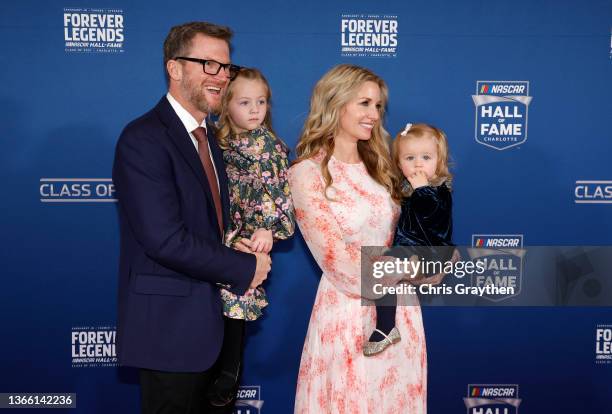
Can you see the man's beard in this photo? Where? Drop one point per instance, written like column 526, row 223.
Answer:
column 196, row 96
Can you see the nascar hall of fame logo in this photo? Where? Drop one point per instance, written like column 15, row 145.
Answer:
column 248, row 400
column 603, row 344
column 492, row 399
column 368, row 35
column 77, row 190
column 502, row 256
column 501, row 113
column 93, row 346
column 593, row 192
column 93, row 30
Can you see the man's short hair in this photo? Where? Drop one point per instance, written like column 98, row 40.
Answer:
column 179, row 39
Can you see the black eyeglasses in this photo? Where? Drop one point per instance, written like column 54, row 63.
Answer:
column 212, row 67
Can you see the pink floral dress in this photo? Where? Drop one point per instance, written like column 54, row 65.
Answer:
column 335, row 377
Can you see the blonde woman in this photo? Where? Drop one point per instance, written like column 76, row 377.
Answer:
column 346, row 193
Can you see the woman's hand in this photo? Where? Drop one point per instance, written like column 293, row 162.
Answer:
column 435, row 279
column 429, row 280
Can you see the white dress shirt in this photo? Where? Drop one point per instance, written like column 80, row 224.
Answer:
column 190, row 124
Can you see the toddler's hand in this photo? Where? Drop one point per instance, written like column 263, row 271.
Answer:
column 262, row 241
column 418, row 179
column 244, row 245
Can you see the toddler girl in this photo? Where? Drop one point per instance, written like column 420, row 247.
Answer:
column 420, row 152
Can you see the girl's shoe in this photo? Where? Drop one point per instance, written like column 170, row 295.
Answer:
column 373, row 348
column 223, row 390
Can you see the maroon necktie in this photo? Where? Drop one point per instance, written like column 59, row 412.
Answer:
column 200, row 135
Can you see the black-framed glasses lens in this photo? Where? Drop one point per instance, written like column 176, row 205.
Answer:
column 233, row 71
column 212, row 67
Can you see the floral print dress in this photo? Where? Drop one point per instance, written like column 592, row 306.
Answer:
column 257, row 167
column 334, row 376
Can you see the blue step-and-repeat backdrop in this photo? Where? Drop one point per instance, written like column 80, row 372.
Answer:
column 535, row 168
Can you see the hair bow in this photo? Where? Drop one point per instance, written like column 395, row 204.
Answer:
column 406, row 129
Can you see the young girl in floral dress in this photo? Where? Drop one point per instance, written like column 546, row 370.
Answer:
column 261, row 210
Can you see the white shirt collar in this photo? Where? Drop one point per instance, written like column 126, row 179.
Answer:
column 190, row 124
column 186, row 118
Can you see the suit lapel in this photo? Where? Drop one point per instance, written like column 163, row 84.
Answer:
column 181, row 139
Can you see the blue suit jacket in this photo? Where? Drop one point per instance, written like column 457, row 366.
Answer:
column 172, row 256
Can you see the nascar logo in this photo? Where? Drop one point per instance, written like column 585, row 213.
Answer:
column 492, row 399
column 501, row 255
column 248, row 400
column 494, row 241
column 501, row 113
column 481, row 391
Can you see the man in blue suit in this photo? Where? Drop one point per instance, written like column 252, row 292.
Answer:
column 173, row 207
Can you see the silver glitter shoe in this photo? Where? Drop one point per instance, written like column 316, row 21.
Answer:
column 373, row 348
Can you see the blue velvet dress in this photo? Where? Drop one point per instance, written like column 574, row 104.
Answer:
column 426, row 225
column 426, row 218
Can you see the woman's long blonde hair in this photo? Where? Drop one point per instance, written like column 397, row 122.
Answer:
column 331, row 94
column 225, row 124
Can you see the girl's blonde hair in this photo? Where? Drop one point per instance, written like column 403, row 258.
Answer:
column 226, row 126
column 329, row 97
column 420, row 131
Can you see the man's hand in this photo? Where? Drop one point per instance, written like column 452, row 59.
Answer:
column 264, row 264
column 244, row 245
column 262, row 241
